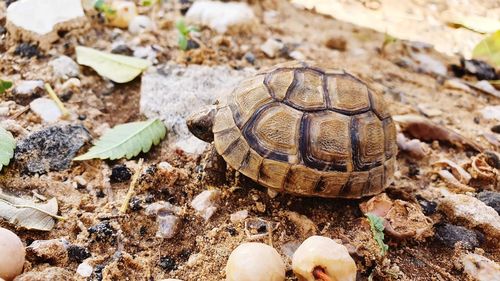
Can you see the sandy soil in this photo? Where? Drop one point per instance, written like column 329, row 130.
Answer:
column 129, row 250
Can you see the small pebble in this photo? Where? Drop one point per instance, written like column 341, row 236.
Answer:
column 324, row 253
column 336, row 43
column 28, row 90
column 103, row 231
column 64, row 67
column 47, row 109
column 51, row 251
column 122, row 49
column 221, row 16
column 272, row 47
column 120, row 173
column 480, row 268
column 490, row 198
column 27, row 50
column 140, row 24
column 480, row 69
column 167, row 263
column 249, row 57
column 12, row 254
column 449, row 235
column 255, row 262
column 206, row 203
column 239, row 216
column 77, row 253
column 84, row 269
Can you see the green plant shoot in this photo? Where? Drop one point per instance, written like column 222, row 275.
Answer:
column 4, row 85
column 103, row 7
column 184, row 34
column 377, row 226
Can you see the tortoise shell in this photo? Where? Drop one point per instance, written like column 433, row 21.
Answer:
column 302, row 129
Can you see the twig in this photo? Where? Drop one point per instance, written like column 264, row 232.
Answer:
column 33, row 207
column 319, row 273
column 56, row 99
column 20, row 112
column 131, row 189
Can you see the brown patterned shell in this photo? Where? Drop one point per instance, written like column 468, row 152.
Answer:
column 302, row 129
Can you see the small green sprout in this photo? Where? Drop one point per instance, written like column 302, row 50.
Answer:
column 388, row 39
column 377, row 226
column 103, row 7
column 4, row 85
column 184, row 34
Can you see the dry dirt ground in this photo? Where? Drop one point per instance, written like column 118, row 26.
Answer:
column 125, row 247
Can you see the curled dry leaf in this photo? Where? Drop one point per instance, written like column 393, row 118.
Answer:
column 414, row 147
column 402, row 219
column 424, row 129
column 453, row 182
column 28, row 214
column 460, row 173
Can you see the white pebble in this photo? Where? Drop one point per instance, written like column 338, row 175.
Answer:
column 27, row 87
column 239, row 216
column 140, row 24
column 12, row 254
column 84, row 269
column 166, row 217
column 271, row 47
column 481, row 268
column 221, row 16
column 46, row 108
column 206, row 203
column 491, row 112
column 323, row 252
column 64, row 67
column 255, row 262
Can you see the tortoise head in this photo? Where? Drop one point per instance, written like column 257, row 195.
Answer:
column 200, row 123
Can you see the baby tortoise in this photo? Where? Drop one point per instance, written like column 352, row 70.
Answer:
column 306, row 130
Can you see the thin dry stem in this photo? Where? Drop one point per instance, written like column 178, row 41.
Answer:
column 56, row 99
column 131, row 189
column 319, row 273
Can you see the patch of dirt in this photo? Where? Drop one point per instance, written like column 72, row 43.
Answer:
column 124, row 247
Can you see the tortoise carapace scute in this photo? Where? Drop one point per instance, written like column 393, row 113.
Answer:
column 307, row 130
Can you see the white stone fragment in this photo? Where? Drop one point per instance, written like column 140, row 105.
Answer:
column 456, row 84
column 147, row 53
column 174, row 92
column 491, row 112
column 84, row 269
column 480, row 268
column 140, row 24
column 206, row 203
column 297, row 55
column 271, row 47
column 221, row 16
column 319, row 251
column 166, row 217
column 239, row 216
column 46, row 108
column 39, row 20
column 27, row 87
column 470, row 209
column 64, row 67
column 255, row 262
column 429, row 64
column 487, row 87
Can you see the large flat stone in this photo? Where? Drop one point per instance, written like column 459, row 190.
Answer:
column 173, row 92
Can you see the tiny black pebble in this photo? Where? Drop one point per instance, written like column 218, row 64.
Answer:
column 27, row 50
column 122, row 49
column 2, row 30
column 167, row 263
column 477, row 120
column 428, row 207
column 98, row 272
column 143, row 230
column 66, row 96
column 82, row 117
column 77, row 253
column 232, row 231
column 100, row 194
column 150, row 198
column 120, row 173
column 185, row 254
column 413, row 170
column 102, row 231
column 250, row 57
column 496, row 129
column 135, row 204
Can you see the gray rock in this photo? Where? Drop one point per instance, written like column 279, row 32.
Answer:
column 490, row 198
column 174, row 92
column 64, row 67
column 449, row 235
column 51, row 251
column 50, row 149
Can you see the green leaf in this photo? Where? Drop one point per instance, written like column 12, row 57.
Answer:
column 489, row 49
column 28, row 214
column 147, row 3
column 127, row 140
column 7, row 146
column 102, row 7
column 183, row 42
column 377, row 227
column 4, row 85
column 181, row 27
column 118, row 68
